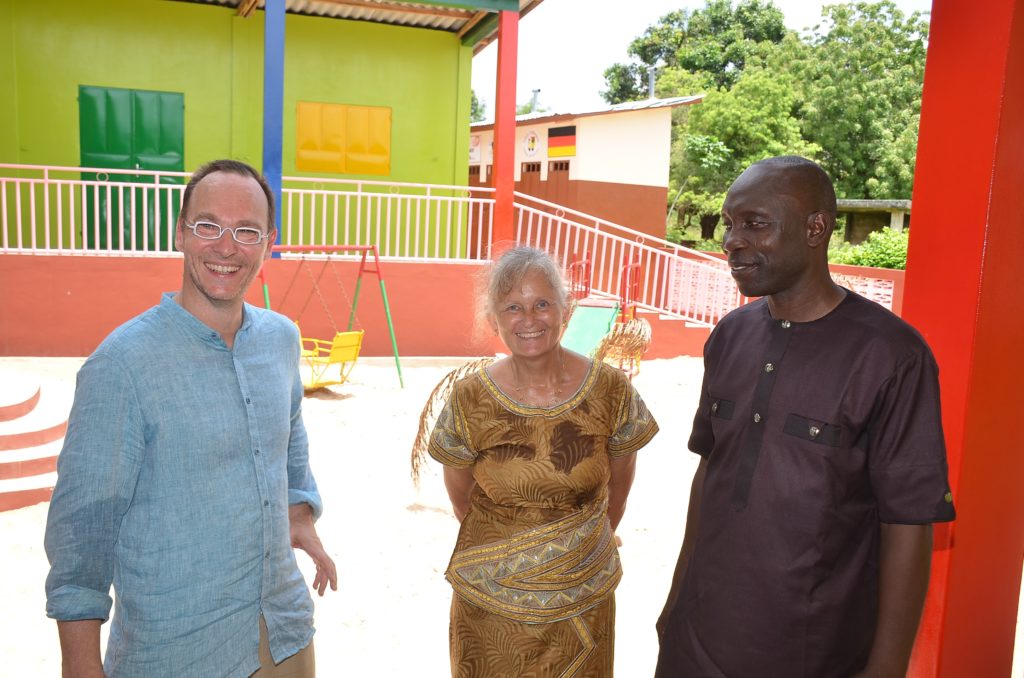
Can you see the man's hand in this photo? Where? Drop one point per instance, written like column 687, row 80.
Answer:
column 904, row 566
column 303, row 534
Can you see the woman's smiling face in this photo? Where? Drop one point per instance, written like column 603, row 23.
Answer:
column 529, row 318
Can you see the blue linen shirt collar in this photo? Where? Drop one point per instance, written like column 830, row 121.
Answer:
column 188, row 322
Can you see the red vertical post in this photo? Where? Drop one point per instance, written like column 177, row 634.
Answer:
column 505, row 127
column 962, row 293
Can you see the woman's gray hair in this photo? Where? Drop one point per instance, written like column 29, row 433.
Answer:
column 510, row 269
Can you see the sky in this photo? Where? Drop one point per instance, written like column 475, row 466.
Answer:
column 565, row 46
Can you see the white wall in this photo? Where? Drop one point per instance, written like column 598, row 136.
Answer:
column 624, row 148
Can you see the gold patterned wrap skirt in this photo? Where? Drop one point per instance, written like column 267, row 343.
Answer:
column 539, row 603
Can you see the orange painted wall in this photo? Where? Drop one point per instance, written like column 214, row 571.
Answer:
column 64, row 306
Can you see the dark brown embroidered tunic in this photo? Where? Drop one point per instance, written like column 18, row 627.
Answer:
column 814, row 434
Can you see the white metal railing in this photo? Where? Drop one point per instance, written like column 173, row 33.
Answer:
column 404, row 220
column 79, row 210
column 673, row 280
column 93, row 211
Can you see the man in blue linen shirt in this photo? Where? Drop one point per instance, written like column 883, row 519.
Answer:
column 184, row 480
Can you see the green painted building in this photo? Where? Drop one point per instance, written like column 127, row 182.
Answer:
column 162, row 84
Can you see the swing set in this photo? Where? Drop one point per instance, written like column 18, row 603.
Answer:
column 328, row 362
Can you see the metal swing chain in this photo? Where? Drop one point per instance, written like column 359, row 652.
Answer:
column 319, row 295
column 341, row 287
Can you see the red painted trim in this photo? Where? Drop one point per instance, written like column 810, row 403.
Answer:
column 10, row 501
column 11, row 412
column 19, row 441
column 28, row 468
column 961, row 293
column 505, row 127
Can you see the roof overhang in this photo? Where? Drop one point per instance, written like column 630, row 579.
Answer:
column 475, row 22
column 858, row 205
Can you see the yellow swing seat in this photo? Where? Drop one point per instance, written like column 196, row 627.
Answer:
column 319, row 357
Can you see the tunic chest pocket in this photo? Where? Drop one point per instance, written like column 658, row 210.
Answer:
column 813, row 430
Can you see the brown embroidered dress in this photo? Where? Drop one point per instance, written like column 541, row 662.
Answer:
column 535, row 564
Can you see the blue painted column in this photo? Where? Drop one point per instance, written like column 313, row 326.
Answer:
column 273, row 101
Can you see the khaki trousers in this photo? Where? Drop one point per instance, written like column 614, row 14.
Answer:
column 299, row 665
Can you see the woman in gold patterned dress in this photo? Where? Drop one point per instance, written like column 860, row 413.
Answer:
column 539, row 454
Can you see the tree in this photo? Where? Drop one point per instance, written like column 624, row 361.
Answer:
column 477, row 110
column 861, row 87
column 716, row 41
column 847, row 95
column 731, row 129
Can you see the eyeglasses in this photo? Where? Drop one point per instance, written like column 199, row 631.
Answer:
column 207, row 230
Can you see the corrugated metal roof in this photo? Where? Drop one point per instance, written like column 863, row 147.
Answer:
column 396, row 12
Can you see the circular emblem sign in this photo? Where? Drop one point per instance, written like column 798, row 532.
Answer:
column 530, row 143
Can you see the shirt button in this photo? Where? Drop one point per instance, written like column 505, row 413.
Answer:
column 949, row 497
column 257, row 450
column 757, row 418
column 247, row 401
column 814, row 431
column 714, row 408
column 267, row 555
column 769, row 368
column 266, row 502
column 785, row 324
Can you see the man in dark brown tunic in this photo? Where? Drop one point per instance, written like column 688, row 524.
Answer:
column 823, row 466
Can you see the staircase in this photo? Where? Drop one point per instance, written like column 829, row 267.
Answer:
column 33, row 419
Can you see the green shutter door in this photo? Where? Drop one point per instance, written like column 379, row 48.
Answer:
column 131, row 129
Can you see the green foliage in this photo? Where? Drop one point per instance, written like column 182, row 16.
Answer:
column 861, row 90
column 882, row 249
column 750, row 121
column 719, row 39
column 528, row 107
column 715, row 43
column 625, row 83
column 477, row 111
column 847, row 94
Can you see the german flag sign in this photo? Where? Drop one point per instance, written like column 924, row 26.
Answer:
column 562, row 141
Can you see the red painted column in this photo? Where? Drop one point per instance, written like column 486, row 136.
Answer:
column 505, row 128
column 962, row 293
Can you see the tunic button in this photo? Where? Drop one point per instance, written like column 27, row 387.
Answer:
column 714, row 408
column 785, row 324
column 769, row 368
column 757, row 418
column 814, row 431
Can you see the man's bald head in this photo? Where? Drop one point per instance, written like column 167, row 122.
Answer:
column 803, row 179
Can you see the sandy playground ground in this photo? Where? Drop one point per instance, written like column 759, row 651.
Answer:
column 392, row 542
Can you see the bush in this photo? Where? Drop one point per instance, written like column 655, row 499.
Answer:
column 883, row 249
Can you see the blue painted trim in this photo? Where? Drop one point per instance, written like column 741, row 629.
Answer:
column 273, row 101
